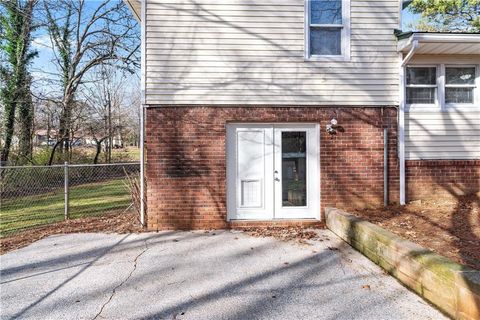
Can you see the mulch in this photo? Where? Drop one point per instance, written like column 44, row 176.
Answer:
column 116, row 222
column 449, row 226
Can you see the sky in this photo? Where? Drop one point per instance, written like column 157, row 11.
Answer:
column 44, row 68
column 408, row 18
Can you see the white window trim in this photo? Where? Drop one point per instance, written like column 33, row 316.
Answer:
column 476, row 102
column 345, row 36
column 437, row 85
column 440, row 104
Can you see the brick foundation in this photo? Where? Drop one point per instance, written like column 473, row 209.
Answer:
column 427, row 178
column 186, row 162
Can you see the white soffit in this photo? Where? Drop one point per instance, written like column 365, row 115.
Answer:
column 442, row 43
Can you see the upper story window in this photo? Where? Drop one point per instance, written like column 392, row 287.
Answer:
column 327, row 29
column 441, row 86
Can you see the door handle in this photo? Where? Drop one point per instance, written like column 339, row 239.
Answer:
column 276, row 171
column 277, row 179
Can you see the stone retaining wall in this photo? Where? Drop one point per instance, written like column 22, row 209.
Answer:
column 451, row 287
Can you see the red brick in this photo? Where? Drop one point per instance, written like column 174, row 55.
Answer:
column 186, row 169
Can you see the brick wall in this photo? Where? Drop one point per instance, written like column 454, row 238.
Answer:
column 427, row 178
column 186, row 167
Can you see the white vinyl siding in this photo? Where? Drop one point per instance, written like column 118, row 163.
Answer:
column 442, row 135
column 444, row 132
column 253, row 52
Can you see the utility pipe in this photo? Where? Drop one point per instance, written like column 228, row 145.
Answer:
column 385, row 167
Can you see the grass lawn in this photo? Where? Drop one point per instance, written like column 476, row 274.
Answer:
column 85, row 200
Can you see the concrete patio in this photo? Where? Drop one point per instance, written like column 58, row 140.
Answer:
column 198, row 275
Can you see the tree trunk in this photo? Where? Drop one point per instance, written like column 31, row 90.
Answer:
column 99, row 149
column 52, row 154
column 110, row 140
column 9, row 121
column 25, row 112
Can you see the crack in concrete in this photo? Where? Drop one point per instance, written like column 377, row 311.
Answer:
column 99, row 314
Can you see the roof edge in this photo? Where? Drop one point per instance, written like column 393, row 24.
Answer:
column 132, row 8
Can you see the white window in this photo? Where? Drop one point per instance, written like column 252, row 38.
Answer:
column 441, row 86
column 421, row 85
column 459, row 85
column 327, row 29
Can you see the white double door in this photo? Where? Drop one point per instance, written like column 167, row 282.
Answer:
column 273, row 171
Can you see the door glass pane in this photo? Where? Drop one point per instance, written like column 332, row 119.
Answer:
column 326, row 12
column 294, row 169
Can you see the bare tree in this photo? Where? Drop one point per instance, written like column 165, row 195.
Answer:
column 16, row 20
column 105, row 98
column 84, row 38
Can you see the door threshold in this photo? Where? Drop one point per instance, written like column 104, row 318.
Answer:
column 240, row 224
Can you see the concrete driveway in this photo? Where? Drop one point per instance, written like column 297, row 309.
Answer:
column 198, row 275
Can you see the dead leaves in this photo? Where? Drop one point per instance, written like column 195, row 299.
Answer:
column 292, row 233
column 446, row 225
column 116, row 222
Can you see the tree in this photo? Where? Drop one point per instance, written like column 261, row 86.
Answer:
column 84, row 38
column 16, row 29
column 446, row 15
column 105, row 97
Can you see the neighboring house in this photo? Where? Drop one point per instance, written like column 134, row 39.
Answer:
column 269, row 110
column 44, row 137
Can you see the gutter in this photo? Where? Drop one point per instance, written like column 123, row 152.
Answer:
column 401, row 120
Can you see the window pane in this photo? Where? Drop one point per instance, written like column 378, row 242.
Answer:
column 325, row 41
column 294, row 169
column 459, row 95
column 326, row 12
column 421, row 75
column 421, row 95
column 460, row 75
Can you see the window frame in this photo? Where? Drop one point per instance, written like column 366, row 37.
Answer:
column 440, row 103
column 344, row 35
column 423, row 106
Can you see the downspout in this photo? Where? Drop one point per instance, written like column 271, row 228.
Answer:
column 142, row 114
column 401, row 120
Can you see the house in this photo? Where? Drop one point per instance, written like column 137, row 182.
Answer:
column 43, row 137
column 261, row 112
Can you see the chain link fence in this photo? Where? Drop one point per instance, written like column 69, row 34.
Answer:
column 39, row 195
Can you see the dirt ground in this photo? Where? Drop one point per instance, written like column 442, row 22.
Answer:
column 447, row 226
column 117, row 222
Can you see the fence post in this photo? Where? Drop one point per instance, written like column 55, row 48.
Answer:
column 65, row 170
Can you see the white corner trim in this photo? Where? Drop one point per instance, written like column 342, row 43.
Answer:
column 142, row 114
column 143, row 36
